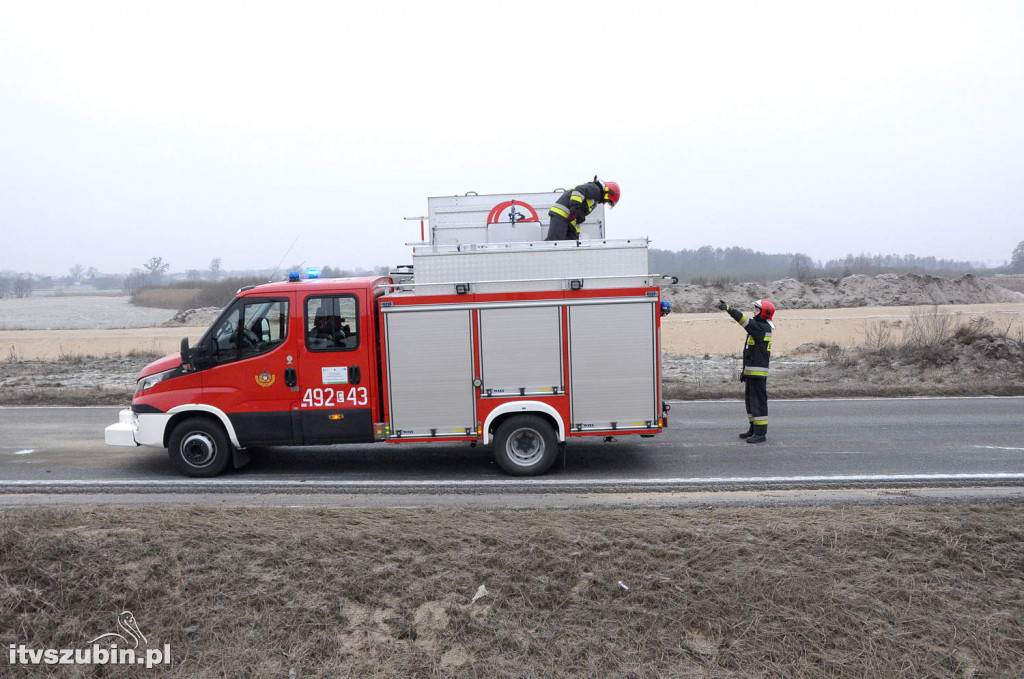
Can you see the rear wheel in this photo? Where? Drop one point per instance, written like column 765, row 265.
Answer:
column 525, row 445
column 199, row 447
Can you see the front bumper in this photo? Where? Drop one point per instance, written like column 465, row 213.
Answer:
column 122, row 433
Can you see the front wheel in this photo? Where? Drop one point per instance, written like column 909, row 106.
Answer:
column 199, row 447
column 525, row 445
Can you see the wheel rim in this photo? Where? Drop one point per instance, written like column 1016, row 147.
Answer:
column 525, row 447
column 198, row 450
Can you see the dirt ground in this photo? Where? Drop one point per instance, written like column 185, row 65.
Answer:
column 875, row 592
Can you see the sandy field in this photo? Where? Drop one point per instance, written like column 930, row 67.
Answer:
column 50, row 345
column 715, row 333
column 682, row 334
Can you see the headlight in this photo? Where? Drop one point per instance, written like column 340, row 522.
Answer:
column 152, row 380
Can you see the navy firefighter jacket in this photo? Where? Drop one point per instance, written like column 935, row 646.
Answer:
column 577, row 203
column 758, row 349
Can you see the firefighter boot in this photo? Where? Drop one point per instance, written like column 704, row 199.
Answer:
column 760, row 435
column 748, row 433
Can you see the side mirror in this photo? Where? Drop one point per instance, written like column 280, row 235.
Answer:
column 198, row 357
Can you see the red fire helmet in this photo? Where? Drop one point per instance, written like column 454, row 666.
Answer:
column 612, row 193
column 765, row 307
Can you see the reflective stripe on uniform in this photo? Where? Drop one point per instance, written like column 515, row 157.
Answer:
column 755, row 372
column 743, row 320
column 576, row 197
column 559, row 210
column 760, row 421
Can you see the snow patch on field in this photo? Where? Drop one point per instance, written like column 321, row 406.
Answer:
column 38, row 312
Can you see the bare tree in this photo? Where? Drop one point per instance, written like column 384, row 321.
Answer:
column 22, row 286
column 1017, row 258
column 215, row 268
column 801, row 267
column 157, row 267
column 76, row 273
column 135, row 281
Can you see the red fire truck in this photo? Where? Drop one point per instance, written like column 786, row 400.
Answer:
column 522, row 345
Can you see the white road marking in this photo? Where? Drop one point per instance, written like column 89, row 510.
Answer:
column 509, row 483
column 23, row 452
column 998, row 448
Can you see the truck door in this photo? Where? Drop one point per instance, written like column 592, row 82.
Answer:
column 250, row 351
column 336, row 376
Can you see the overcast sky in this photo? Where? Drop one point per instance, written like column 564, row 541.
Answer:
column 194, row 130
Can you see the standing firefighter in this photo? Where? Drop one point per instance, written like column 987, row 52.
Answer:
column 572, row 207
column 756, row 354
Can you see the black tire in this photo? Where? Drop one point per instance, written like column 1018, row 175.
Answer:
column 525, row 445
column 199, row 447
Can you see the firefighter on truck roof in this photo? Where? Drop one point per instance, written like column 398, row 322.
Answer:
column 756, row 354
column 572, row 207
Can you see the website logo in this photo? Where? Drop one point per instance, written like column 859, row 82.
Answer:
column 127, row 646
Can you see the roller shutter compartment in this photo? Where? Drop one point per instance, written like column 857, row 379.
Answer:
column 613, row 366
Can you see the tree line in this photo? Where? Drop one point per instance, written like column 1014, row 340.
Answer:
column 708, row 264
column 703, row 265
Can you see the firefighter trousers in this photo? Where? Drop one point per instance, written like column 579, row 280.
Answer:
column 757, row 404
column 560, row 229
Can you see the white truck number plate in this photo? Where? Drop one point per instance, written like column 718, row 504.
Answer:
column 335, row 398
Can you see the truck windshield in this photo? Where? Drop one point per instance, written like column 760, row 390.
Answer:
column 249, row 327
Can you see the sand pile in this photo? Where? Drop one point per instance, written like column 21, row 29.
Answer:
column 195, row 318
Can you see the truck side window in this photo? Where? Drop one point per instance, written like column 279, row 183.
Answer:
column 332, row 323
column 249, row 328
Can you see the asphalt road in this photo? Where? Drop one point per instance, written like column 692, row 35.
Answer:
column 871, row 443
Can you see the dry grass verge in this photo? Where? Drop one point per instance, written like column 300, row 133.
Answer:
column 75, row 381
column 930, row 355
column 909, row 591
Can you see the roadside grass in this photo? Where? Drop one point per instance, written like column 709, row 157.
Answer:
column 67, row 396
column 930, row 355
column 863, row 591
column 75, row 380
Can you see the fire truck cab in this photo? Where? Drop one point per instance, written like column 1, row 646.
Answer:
column 522, row 345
